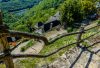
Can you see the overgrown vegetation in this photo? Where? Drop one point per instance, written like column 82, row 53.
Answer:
column 15, row 5
column 14, row 10
column 77, row 10
column 71, row 11
column 40, row 12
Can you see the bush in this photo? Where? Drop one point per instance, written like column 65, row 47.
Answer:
column 31, row 43
column 22, row 49
column 75, row 11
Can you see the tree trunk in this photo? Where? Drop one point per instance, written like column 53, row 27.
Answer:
column 7, row 59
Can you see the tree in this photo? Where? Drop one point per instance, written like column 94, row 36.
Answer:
column 88, row 7
column 73, row 11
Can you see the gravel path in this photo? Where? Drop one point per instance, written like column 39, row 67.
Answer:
column 35, row 49
column 32, row 50
column 55, row 33
column 79, row 58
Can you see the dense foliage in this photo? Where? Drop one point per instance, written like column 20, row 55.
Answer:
column 71, row 11
column 15, row 5
column 14, row 10
column 75, row 11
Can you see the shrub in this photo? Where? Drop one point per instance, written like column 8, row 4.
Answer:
column 31, row 43
column 22, row 49
column 75, row 11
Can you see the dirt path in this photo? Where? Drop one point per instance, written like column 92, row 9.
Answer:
column 17, row 50
column 36, row 48
column 55, row 33
column 32, row 50
column 80, row 57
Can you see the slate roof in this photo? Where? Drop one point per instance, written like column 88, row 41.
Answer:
column 55, row 17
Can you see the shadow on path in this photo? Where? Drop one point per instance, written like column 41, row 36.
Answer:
column 83, row 49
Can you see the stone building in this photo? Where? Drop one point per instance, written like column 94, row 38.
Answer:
column 52, row 22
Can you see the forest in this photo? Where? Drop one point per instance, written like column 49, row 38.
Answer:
column 16, row 5
column 33, row 14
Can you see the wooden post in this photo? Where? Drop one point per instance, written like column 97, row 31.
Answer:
column 6, row 48
column 80, row 35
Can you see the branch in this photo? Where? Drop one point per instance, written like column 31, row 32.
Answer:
column 73, row 33
column 61, row 36
column 93, row 27
column 28, row 35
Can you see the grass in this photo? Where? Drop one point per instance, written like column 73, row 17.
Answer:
column 31, row 43
column 59, row 43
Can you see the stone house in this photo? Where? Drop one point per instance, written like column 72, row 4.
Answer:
column 52, row 22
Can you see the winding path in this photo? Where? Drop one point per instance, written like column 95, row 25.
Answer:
column 36, row 48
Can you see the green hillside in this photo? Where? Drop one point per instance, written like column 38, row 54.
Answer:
column 28, row 11
column 77, row 11
column 13, row 10
column 16, row 5
column 40, row 12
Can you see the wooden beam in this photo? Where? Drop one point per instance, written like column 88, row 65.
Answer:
column 27, row 35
